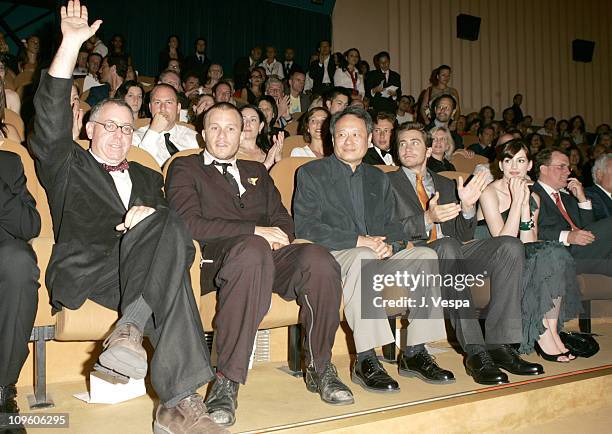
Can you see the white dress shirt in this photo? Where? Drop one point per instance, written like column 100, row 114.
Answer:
column 326, row 77
column 343, row 79
column 408, row 117
column 89, row 82
column 302, row 151
column 274, row 68
column 583, row 205
column 155, row 143
column 123, row 182
column 233, row 169
column 388, row 159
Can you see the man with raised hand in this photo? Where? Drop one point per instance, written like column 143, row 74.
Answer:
column 110, row 219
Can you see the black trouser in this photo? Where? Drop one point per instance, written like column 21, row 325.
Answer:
column 153, row 261
column 595, row 258
column 246, row 272
column 18, row 302
column 503, row 258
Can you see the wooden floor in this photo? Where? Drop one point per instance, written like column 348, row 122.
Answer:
column 273, row 401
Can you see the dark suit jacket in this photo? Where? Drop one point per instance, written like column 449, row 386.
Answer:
column 378, row 102
column 324, row 213
column 192, row 64
column 408, row 210
column 316, row 73
column 372, row 157
column 85, row 205
column 550, row 219
column 602, row 204
column 242, row 70
column 294, row 66
column 204, row 199
column 18, row 216
column 97, row 94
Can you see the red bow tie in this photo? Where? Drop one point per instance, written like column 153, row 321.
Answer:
column 119, row 167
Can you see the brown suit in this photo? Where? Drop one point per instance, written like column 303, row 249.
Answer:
column 245, row 270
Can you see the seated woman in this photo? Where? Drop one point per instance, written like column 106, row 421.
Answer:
column 254, row 142
column 254, row 88
column 442, row 148
column 347, row 75
column 132, row 93
column 214, row 76
column 313, row 127
column 550, row 287
column 171, row 51
column 267, row 105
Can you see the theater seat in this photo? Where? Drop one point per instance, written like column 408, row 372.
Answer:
column 12, row 118
column 290, row 143
column 467, row 165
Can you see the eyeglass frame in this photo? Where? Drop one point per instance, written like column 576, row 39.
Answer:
column 116, row 125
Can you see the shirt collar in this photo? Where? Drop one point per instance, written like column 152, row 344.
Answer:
column 412, row 175
column 208, row 159
column 346, row 167
column 547, row 188
column 604, row 190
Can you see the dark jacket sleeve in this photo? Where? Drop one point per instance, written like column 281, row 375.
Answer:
column 597, row 201
column 184, row 197
column 460, row 227
column 51, row 142
column 18, row 214
column 316, row 71
column 308, row 203
column 394, row 230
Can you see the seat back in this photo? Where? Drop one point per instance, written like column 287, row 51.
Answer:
column 141, row 122
column 187, row 124
column 184, row 153
column 467, row 165
column 283, row 175
column 292, row 128
column 454, row 175
column 469, row 140
column 290, row 143
column 386, row 168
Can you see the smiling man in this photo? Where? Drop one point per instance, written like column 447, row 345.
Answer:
column 346, row 206
column 163, row 138
column 234, row 210
column 109, row 220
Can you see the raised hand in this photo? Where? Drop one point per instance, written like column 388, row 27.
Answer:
column 576, row 188
column 469, row 194
column 440, row 213
column 279, row 141
column 74, row 22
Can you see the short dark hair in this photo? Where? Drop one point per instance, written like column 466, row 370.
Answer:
column 550, row 118
column 544, row 156
column 305, row 119
column 439, row 98
column 351, row 111
column 482, row 129
column 383, row 54
column 296, row 70
column 334, row 92
column 222, row 106
column 270, row 100
column 385, row 116
column 409, row 126
column 119, row 62
column 95, row 54
column 219, row 83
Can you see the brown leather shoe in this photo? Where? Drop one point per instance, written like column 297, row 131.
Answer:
column 123, row 352
column 188, row 417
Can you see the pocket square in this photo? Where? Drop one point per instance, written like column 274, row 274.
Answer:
column 252, row 181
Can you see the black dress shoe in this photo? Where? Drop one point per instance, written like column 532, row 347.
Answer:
column 222, row 401
column 423, row 366
column 8, row 404
column 482, row 369
column 506, row 357
column 371, row 375
column 328, row 385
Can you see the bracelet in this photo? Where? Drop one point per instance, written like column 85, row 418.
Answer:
column 526, row 226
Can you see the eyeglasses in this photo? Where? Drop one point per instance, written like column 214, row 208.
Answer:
column 111, row 127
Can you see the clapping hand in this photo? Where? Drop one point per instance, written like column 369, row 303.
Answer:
column 469, row 194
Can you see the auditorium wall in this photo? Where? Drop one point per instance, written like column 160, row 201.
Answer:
column 524, row 47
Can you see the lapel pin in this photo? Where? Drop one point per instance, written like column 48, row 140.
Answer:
column 252, row 181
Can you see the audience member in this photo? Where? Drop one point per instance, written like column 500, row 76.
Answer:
column 345, row 206
column 172, row 50
column 98, row 46
column 600, row 192
column 577, row 130
column 426, row 206
column 254, row 89
column 112, row 75
column 336, row 99
column 382, row 138
column 12, row 100
column 132, row 93
column 314, row 128
column 485, row 147
column 29, row 56
column 163, row 138
column 289, row 64
column 107, row 245
column 322, row 69
column 347, row 75
column 405, row 109
column 234, row 210
column 549, row 129
column 222, row 92
column 275, row 88
column 517, row 100
column 80, row 69
column 442, row 148
column 271, row 65
column 198, row 62
column 298, row 100
column 244, row 65
column 486, row 115
column 439, row 79
column 550, row 293
column 214, row 76
column 94, row 60
column 383, row 85
column 444, row 107
column 254, row 141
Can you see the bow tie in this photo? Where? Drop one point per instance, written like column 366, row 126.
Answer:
column 124, row 165
column 383, row 153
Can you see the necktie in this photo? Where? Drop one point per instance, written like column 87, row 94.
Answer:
column 383, row 153
column 169, row 145
column 124, row 165
column 229, row 177
column 423, row 198
column 563, row 212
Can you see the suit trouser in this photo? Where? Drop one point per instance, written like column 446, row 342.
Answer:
column 245, row 272
column 18, row 302
column 595, row 258
column 426, row 323
column 503, row 259
column 153, row 261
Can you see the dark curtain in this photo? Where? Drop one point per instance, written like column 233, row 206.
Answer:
column 231, row 28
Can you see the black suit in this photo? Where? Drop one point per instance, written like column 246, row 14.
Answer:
column 592, row 258
column 242, row 71
column 372, row 157
column 502, row 257
column 294, row 66
column 378, row 102
column 602, row 204
column 316, row 72
column 19, row 222
column 97, row 94
column 200, row 67
column 244, row 270
column 92, row 260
